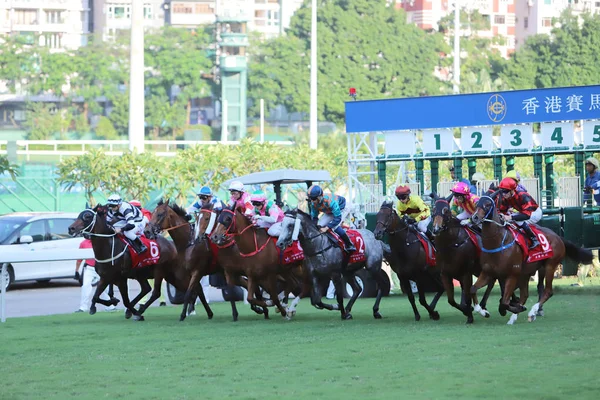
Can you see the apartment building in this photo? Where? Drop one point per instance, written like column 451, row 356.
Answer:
column 113, row 17
column 56, row 24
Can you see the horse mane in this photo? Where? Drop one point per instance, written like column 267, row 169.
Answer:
column 178, row 210
column 388, row 203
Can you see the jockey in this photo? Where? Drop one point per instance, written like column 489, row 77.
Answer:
column 266, row 214
column 463, row 201
column 205, row 198
column 514, row 175
column 334, row 209
column 527, row 208
column 126, row 219
column 240, row 197
column 147, row 214
column 415, row 208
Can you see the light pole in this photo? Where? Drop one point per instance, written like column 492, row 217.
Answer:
column 313, row 76
column 456, row 75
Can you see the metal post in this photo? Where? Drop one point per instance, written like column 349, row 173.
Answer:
column 551, row 190
column 497, row 167
column 510, row 163
column 537, row 169
column 420, row 177
column 313, row 76
column 456, row 67
column 136, row 78
column 435, row 174
column 262, row 120
column 224, row 127
column 3, row 283
column 381, row 171
column 472, row 165
column 458, row 168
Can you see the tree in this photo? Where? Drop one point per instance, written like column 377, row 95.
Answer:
column 105, row 129
column 361, row 43
column 89, row 170
column 7, row 168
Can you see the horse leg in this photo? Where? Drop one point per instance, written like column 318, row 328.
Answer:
column 540, row 288
column 194, row 281
column 339, row 294
column 201, row 295
column 158, row 278
column 405, row 283
column 252, row 289
column 111, row 295
column 434, row 315
column 145, row 289
column 122, row 285
column 547, row 293
column 481, row 307
column 102, row 284
column 379, row 279
column 271, row 288
column 449, row 287
column 356, row 289
column 509, row 287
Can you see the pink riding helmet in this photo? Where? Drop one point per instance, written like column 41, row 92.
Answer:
column 461, row 188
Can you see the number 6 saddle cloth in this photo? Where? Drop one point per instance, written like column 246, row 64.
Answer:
column 149, row 257
column 538, row 253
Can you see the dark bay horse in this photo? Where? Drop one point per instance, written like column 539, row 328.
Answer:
column 410, row 259
column 113, row 262
column 262, row 265
column 457, row 258
column 325, row 260
column 195, row 255
column 503, row 258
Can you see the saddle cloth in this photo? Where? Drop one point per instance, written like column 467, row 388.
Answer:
column 358, row 241
column 148, row 257
column 539, row 252
column 429, row 248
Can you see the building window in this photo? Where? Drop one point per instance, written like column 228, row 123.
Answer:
column 54, row 17
column 266, row 18
column 526, row 22
column 148, row 12
column 181, row 8
column 53, row 40
column 547, row 22
column 499, row 19
column 203, row 9
column 120, row 12
column 26, row 17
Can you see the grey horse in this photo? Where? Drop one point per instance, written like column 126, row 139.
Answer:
column 325, row 260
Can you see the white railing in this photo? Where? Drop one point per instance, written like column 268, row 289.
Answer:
column 163, row 148
column 569, row 192
column 9, row 255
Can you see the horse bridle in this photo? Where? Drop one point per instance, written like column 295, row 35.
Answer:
column 296, row 216
column 444, row 218
column 389, row 221
column 88, row 229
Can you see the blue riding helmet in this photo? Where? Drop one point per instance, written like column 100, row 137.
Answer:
column 205, row 191
column 315, row 191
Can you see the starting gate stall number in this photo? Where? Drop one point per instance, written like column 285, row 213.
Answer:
column 558, row 136
column 400, row 143
column 591, row 134
column 516, row 138
column 476, row 140
column 438, row 142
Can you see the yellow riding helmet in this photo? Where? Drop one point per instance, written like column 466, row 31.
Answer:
column 514, row 175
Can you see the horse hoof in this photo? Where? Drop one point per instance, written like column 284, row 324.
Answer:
column 502, row 311
column 531, row 318
column 138, row 318
column 434, row 316
column 182, row 318
column 417, row 318
column 346, row 317
column 115, row 301
column 540, row 313
column 469, row 321
column 376, row 315
column 128, row 314
column 210, row 315
column 92, row 310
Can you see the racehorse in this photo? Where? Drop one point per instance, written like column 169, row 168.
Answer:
column 195, row 255
column 457, row 257
column 410, row 260
column 325, row 260
column 113, row 262
column 262, row 263
column 502, row 257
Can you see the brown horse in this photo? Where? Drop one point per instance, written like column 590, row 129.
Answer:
column 503, row 258
column 261, row 265
column 196, row 256
column 408, row 258
column 457, row 258
column 113, row 261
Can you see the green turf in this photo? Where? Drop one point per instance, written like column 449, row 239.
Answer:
column 316, row 356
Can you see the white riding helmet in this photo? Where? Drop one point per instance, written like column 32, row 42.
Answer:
column 114, row 200
column 237, row 185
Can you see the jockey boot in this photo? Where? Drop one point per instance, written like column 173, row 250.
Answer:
column 349, row 246
column 534, row 240
column 138, row 246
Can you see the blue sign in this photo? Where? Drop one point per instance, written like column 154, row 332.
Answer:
column 480, row 109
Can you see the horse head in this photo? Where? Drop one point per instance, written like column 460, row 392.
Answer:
column 385, row 219
column 225, row 225
column 84, row 222
column 485, row 209
column 441, row 213
column 296, row 223
column 205, row 222
column 159, row 219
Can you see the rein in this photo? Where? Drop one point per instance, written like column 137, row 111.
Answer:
column 486, row 218
column 233, row 234
column 111, row 235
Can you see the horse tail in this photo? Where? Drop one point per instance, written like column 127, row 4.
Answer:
column 576, row 253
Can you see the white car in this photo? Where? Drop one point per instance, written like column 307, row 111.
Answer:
column 37, row 232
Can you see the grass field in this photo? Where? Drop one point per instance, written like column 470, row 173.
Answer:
column 315, row 356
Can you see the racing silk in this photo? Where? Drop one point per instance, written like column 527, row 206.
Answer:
column 271, row 213
column 415, row 208
column 520, row 201
column 146, row 213
column 244, row 202
column 126, row 213
column 468, row 205
column 332, row 205
column 217, row 205
column 592, row 181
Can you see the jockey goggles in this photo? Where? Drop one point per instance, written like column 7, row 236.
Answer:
column 403, row 197
column 257, row 203
column 203, row 197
